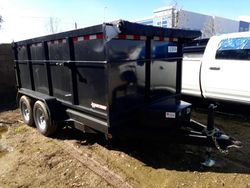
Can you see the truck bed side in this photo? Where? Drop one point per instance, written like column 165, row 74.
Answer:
column 191, row 67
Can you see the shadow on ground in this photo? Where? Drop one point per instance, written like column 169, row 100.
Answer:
column 8, row 106
column 160, row 155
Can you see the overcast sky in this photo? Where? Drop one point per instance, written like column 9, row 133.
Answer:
column 25, row 19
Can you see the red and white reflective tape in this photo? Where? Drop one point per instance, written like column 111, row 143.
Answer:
column 88, row 37
column 166, row 39
column 60, row 41
column 37, row 45
column 101, row 36
column 130, row 37
column 136, row 37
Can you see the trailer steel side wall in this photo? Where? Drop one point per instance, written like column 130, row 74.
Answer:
column 103, row 76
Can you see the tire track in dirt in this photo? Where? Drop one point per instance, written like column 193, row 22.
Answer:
column 102, row 171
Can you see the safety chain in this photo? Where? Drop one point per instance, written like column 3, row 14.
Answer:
column 212, row 134
column 224, row 151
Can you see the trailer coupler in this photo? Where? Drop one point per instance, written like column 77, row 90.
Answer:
column 223, row 142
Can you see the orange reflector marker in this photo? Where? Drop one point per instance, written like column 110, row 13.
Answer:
column 109, row 136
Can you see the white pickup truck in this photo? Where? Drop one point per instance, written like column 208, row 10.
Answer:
column 218, row 68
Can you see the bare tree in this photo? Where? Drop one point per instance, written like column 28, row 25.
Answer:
column 211, row 27
column 53, row 25
column 208, row 28
column 1, row 21
column 176, row 14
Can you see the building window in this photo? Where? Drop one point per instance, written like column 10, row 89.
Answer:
column 147, row 22
column 164, row 22
column 158, row 23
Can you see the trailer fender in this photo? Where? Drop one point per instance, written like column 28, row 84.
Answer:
column 55, row 109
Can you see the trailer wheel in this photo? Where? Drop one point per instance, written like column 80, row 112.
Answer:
column 42, row 119
column 25, row 105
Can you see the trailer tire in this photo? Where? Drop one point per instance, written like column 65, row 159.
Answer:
column 25, row 105
column 43, row 120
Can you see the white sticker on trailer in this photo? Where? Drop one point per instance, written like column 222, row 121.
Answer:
column 170, row 115
column 95, row 105
column 172, row 49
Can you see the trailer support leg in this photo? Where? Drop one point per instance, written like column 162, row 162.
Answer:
column 210, row 117
column 209, row 162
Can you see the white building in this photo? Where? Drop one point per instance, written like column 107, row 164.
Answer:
column 209, row 25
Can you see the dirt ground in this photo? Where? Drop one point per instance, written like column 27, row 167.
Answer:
column 74, row 159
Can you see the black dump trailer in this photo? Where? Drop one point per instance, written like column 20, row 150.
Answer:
column 122, row 79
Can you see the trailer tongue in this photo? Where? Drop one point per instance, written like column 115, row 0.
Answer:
column 122, row 79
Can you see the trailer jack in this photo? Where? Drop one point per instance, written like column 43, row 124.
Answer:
column 209, row 161
column 221, row 141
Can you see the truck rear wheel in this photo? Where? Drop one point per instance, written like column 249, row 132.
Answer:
column 42, row 119
column 25, row 105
